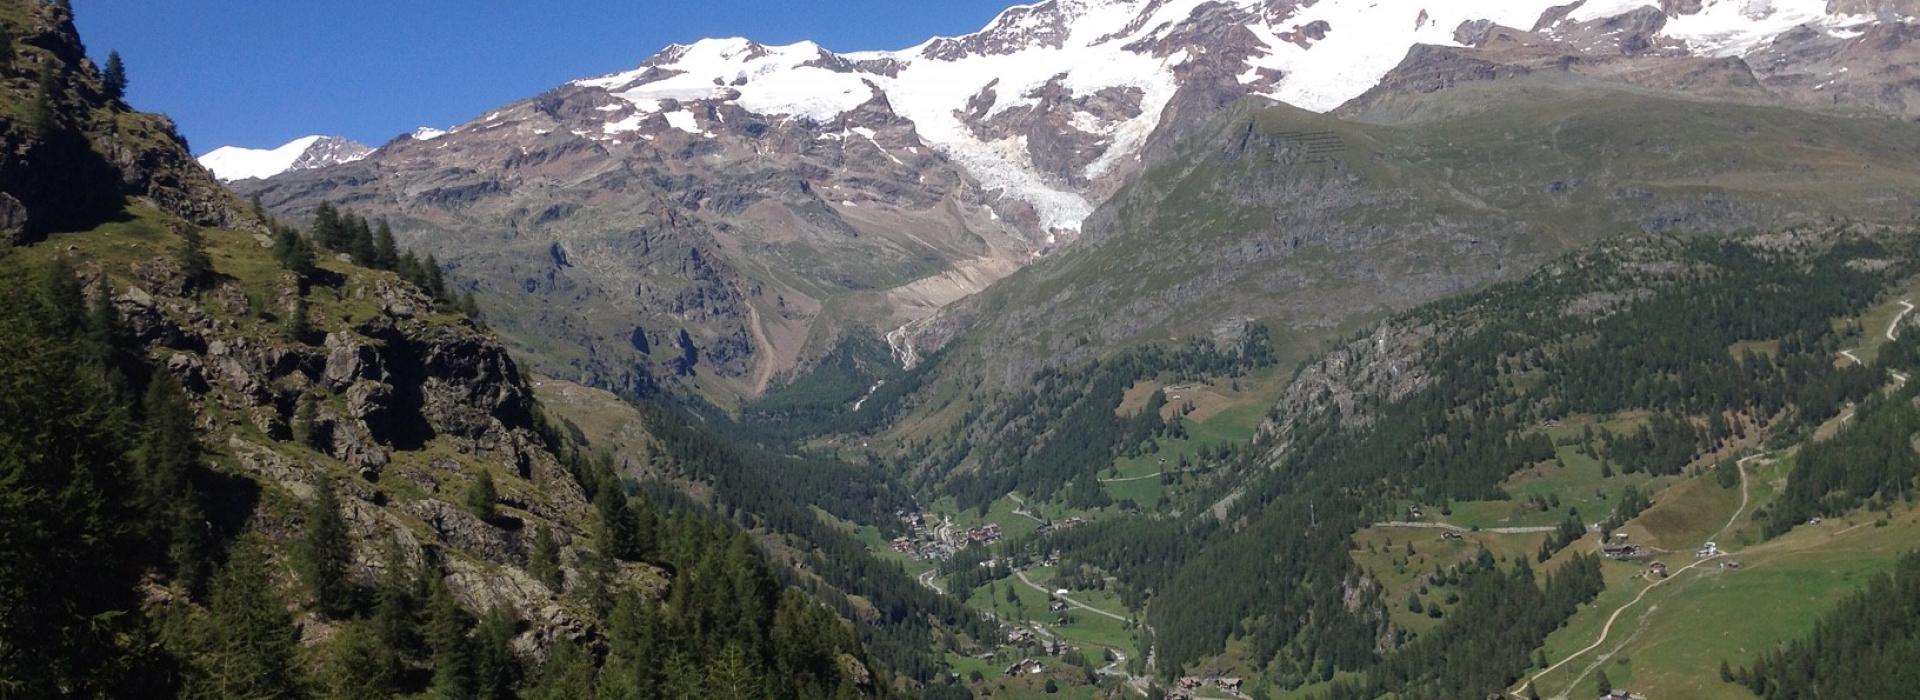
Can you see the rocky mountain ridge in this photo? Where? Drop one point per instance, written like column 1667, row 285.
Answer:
column 719, row 216
column 74, row 151
column 307, row 152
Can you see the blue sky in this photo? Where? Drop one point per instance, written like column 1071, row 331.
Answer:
column 261, row 72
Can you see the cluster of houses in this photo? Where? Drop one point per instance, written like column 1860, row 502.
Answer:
column 1183, row 687
column 929, row 542
column 1026, row 665
column 922, row 541
column 984, row 534
column 1029, row 639
column 1623, row 551
column 921, row 547
column 1062, row 524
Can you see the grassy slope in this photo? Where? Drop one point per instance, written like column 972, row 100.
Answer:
column 1672, row 642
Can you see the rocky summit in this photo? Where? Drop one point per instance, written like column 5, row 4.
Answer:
column 233, row 163
column 761, row 202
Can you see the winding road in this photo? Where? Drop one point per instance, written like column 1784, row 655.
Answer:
column 1022, row 510
column 1456, row 528
column 1068, row 601
column 1891, row 327
column 1607, row 629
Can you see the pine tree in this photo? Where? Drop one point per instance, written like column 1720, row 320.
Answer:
column 329, row 230
column 42, row 118
column 250, row 639
column 111, row 344
column 733, row 676
column 620, row 531
column 543, row 562
column 65, row 310
column 325, row 552
column 436, row 279
column 453, row 657
column 195, row 265
column 481, row 494
column 567, row 674
column 495, row 669
column 362, row 247
column 170, row 452
column 1600, row 680
column 294, row 252
column 386, row 252
column 359, row 666
column 69, row 616
column 114, row 77
column 299, row 325
column 394, row 610
column 305, row 430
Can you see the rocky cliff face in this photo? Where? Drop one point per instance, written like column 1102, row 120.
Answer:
column 760, row 201
column 408, row 404
column 1319, row 224
column 72, row 152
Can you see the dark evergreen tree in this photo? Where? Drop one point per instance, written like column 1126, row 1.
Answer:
column 294, row 252
column 543, row 561
column 305, row 430
column 196, row 267
column 496, row 670
column 567, row 674
column 454, row 675
column 481, row 495
column 325, row 551
column 42, row 117
column 359, row 665
column 248, row 642
column 299, row 327
column 169, row 456
column 69, row 617
column 386, row 252
column 114, row 77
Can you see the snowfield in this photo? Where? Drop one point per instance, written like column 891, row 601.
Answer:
column 1085, row 44
column 235, row 163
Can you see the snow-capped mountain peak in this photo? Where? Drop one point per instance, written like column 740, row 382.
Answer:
column 235, row 163
column 1100, row 73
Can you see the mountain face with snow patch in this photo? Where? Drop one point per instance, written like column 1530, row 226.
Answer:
column 724, row 211
column 307, row 152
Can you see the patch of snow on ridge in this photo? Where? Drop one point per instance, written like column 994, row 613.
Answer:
column 683, row 120
column 427, row 133
column 1366, row 40
column 768, row 79
column 1736, row 27
column 235, row 163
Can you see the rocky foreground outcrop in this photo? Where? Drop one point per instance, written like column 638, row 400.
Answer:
column 71, row 152
column 399, row 403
